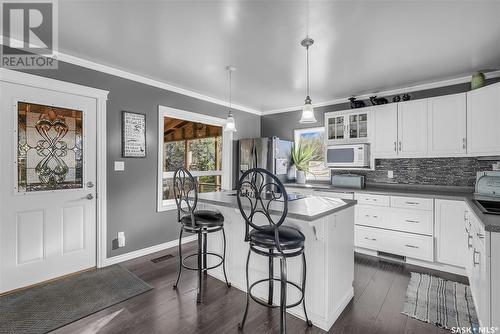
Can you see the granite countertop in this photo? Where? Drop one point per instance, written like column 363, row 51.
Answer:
column 491, row 222
column 308, row 209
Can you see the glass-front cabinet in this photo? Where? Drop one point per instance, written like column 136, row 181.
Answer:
column 346, row 127
column 336, row 128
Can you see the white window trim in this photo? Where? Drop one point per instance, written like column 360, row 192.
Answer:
column 227, row 151
column 296, row 136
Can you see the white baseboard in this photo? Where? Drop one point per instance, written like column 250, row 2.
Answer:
column 146, row 251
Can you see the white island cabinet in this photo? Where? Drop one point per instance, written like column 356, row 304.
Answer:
column 328, row 225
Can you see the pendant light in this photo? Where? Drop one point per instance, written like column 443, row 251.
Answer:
column 307, row 109
column 230, row 124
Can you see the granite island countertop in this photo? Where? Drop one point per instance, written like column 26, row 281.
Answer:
column 491, row 222
column 308, row 208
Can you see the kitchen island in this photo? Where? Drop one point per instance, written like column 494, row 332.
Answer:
column 328, row 225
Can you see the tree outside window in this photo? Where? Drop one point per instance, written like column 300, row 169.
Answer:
column 195, row 146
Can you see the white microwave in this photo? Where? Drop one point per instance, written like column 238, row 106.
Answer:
column 356, row 155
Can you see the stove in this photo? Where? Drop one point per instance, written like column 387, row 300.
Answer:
column 487, row 192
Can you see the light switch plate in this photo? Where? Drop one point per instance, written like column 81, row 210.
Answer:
column 119, row 165
column 390, row 174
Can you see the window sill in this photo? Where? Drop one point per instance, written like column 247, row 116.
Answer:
column 167, row 205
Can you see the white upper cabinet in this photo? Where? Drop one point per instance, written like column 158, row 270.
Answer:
column 412, row 128
column 483, row 121
column 385, row 136
column 447, row 125
column 345, row 127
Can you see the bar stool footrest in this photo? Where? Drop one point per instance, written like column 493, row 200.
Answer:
column 184, row 265
column 263, row 303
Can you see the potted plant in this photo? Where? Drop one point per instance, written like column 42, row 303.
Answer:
column 302, row 154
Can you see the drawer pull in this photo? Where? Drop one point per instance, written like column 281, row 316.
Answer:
column 374, row 199
column 412, row 221
column 411, row 246
column 412, row 203
column 371, row 239
column 375, row 216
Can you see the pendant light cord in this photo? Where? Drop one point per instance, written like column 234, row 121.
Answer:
column 307, row 47
column 230, row 91
column 307, row 69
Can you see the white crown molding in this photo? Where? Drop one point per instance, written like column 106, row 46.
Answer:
column 32, row 80
column 60, row 56
column 166, row 86
column 408, row 89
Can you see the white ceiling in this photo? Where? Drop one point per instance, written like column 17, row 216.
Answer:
column 360, row 46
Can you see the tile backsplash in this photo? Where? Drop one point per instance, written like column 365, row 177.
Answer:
column 425, row 171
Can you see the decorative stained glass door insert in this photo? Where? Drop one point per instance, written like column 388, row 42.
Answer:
column 50, row 148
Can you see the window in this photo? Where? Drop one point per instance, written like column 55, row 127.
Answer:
column 316, row 137
column 196, row 142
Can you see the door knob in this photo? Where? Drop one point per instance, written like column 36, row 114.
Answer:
column 90, row 196
column 90, row 184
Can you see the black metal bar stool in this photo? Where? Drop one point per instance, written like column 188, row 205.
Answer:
column 261, row 194
column 201, row 222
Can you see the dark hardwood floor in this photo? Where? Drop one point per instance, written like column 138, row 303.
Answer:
column 379, row 294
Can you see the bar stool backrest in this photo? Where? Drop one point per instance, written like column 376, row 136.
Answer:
column 185, row 193
column 259, row 192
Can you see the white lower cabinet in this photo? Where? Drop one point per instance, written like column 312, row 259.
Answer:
column 400, row 243
column 479, row 265
column 398, row 225
column 445, row 234
column 450, row 233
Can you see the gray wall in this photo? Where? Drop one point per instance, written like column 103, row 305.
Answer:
column 283, row 124
column 132, row 193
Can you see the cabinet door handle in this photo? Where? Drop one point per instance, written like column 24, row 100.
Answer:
column 469, row 237
column 371, row 239
column 395, row 147
column 411, row 246
column 412, row 221
column 464, row 143
column 412, row 203
column 400, row 146
column 474, row 257
column 480, row 235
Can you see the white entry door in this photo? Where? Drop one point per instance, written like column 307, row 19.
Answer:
column 48, row 175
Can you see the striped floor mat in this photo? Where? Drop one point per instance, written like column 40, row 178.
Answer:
column 440, row 302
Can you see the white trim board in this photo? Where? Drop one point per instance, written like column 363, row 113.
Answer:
column 146, row 251
column 60, row 56
column 408, row 89
column 167, row 86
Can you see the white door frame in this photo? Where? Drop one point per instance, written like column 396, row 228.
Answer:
column 101, row 96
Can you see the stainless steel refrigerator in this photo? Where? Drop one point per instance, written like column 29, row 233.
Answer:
column 270, row 153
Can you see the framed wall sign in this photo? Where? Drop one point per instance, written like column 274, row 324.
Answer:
column 133, row 135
